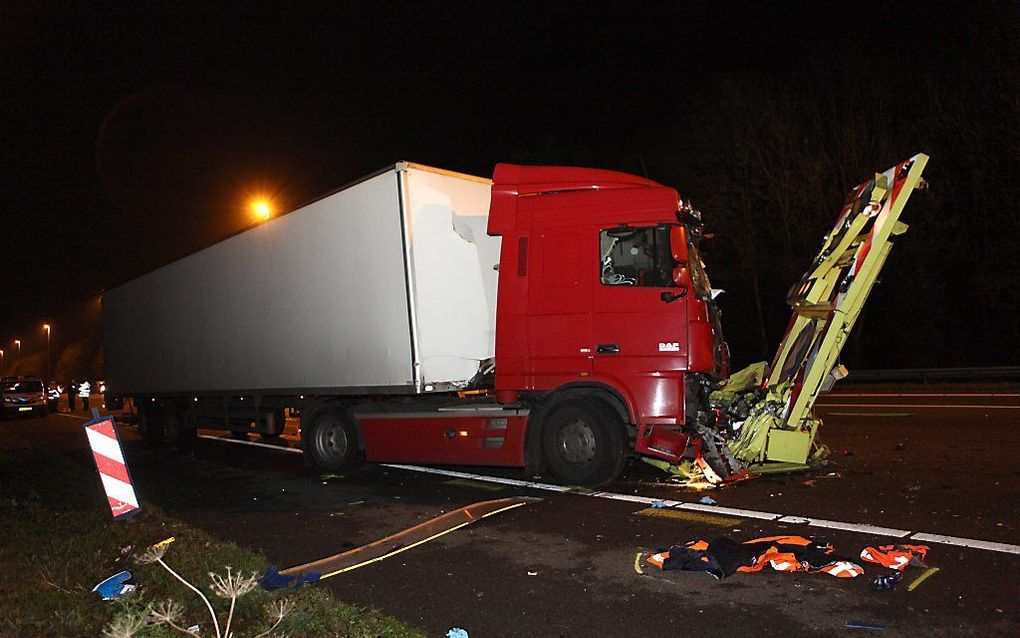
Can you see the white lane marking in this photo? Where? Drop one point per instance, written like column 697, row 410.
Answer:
column 740, row 513
column 849, row 527
column 925, row 394
column 253, row 443
column 966, row 542
column 492, row 479
column 867, row 413
column 71, row 416
column 648, row 500
column 730, row 511
column 916, row 405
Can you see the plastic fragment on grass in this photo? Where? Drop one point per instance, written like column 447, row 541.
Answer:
column 457, row 632
column 115, row 586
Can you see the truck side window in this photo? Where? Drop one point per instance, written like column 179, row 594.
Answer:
column 636, row 257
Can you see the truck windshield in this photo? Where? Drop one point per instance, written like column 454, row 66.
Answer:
column 636, row 257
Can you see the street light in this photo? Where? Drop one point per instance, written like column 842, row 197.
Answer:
column 1, row 360
column 49, row 366
column 17, row 342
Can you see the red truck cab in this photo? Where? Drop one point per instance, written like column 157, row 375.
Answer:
column 603, row 307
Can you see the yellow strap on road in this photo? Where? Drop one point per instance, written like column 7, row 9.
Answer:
column 920, row 579
column 412, row 545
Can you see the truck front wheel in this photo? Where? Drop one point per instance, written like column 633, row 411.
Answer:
column 332, row 442
column 583, row 442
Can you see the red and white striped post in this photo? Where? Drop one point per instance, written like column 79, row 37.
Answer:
column 109, row 457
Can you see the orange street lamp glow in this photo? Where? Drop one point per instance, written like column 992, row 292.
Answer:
column 262, row 209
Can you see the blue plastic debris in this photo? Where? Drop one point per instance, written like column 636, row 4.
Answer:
column 273, row 579
column 114, row 587
column 865, row 625
column 457, row 632
column 707, row 500
column 658, row 505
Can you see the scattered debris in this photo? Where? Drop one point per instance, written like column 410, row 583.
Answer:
column 865, row 625
column 532, row 573
column 457, row 632
column 404, row 540
column 896, row 557
column 476, row 485
column 115, row 586
column 637, row 564
column 705, row 518
column 886, row 582
column 924, row 576
column 658, row 505
column 723, row 557
column 707, row 500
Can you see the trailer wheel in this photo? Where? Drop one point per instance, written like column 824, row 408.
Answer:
column 150, row 423
column 176, row 426
column 583, row 442
column 332, row 442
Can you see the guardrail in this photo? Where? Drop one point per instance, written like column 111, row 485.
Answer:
column 998, row 373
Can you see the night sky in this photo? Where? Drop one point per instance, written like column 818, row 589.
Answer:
column 134, row 133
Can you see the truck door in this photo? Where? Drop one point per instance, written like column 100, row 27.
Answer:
column 639, row 315
column 559, row 307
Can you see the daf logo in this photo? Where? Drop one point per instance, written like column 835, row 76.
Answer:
column 669, row 346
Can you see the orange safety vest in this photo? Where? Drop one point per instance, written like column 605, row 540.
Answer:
column 780, row 554
column 896, row 557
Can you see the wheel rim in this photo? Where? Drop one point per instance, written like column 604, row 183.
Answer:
column 576, row 442
column 331, row 440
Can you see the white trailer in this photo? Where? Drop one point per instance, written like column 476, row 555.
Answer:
column 387, row 286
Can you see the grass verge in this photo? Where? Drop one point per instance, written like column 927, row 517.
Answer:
column 59, row 541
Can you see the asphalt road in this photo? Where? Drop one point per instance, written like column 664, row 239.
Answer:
column 937, row 459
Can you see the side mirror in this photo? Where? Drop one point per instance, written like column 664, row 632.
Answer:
column 678, row 243
column 682, row 276
column 670, row 297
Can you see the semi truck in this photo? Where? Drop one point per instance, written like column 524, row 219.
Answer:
column 556, row 319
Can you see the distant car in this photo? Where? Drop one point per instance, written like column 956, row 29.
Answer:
column 23, row 396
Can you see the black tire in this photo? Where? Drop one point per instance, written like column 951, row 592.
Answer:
column 331, row 442
column 583, row 442
column 176, row 427
column 150, row 423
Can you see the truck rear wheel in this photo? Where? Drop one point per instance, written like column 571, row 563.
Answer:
column 583, row 442
column 332, row 442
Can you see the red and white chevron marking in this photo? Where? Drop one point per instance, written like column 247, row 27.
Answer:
column 113, row 471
